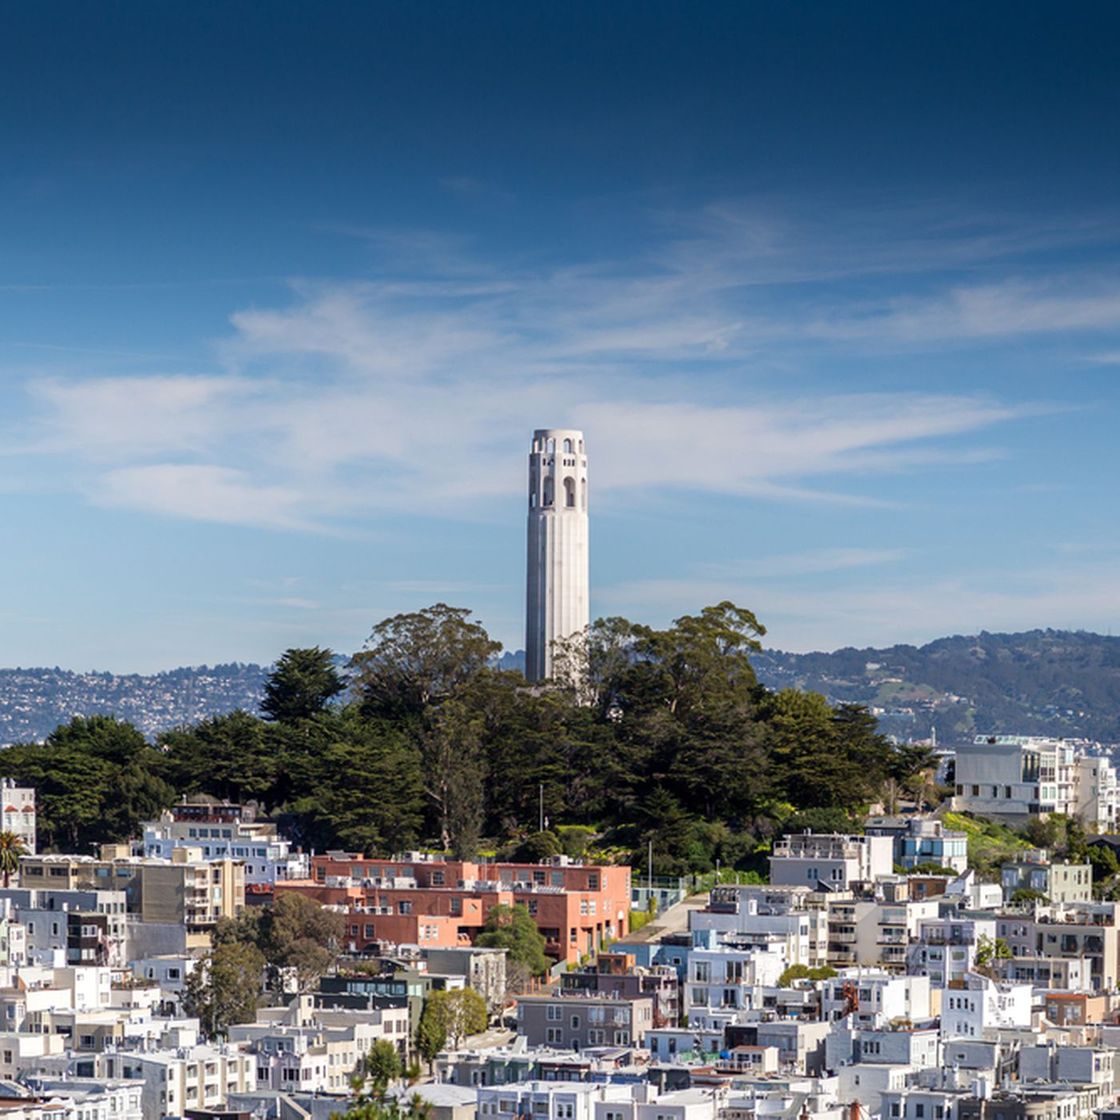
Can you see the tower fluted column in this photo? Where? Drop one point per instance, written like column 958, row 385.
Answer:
column 558, row 579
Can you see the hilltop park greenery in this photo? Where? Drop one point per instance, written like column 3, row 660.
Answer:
column 652, row 735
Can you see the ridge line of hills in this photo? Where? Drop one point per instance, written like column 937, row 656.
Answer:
column 1049, row 682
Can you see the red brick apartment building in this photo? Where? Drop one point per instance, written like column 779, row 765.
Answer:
column 420, row 900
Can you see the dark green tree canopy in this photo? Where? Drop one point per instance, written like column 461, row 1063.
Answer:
column 665, row 737
column 413, row 660
column 302, row 683
column 512, row 928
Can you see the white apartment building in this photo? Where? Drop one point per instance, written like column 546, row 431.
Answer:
column 921, row 1104
column 773, row 1098
column 17, row 812
column 945, row 949
column 880, row 997
column 224, row 833
column 830, row 861
column 984, row 1004
column 647, row 1103
column 1020, row 776
column 729, row 980
column 795, row 914
column 848, row 1044
column 549, row 1100
column 1082, row 1065
column 89, row 1098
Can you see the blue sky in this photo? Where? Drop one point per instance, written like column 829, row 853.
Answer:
column 834, row 291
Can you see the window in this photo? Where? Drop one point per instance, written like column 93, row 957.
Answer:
column 554, row 1034
column 554, row 1013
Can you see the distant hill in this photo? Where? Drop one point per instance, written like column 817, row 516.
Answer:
column 1047, row 682
column 1043, row 682
column 33, row 702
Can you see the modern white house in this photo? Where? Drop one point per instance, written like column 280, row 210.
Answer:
column 1014, row 777
column 830, row 861
column 984, row 1004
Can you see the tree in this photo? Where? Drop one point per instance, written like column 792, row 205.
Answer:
column 414, row 660
column 1102, row 859
column 224, row 987
column 375, row 1106
column 536, row 847
column 431, row 1032
column 295, row 935
column 382, row 1066
column 804, row 972
column 298, row 934
column 11, row 848
column 450, row 1017
column 234, row 757
column 302, row 683
column 989, row 951
column 96, row 780
column 512, row 928
column 352, row 763
column 454, row 769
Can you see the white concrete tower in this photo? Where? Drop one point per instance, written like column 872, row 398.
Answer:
column 558, row 580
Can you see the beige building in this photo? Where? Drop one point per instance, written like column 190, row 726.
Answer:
column 1077, row 930
column 1058, row 882
column 192, row 1077
column 185, row 890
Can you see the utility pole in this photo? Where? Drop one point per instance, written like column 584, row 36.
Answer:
column 649, row 871
column 540, row 793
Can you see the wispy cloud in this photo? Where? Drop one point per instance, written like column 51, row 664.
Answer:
column 414, row 391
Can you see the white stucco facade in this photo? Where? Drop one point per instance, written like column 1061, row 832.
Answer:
column 557, row 573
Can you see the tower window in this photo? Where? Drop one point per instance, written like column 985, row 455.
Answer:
column 568, row 446
column 570, row 493
column 548, row 492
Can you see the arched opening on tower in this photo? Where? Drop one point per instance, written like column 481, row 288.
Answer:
column 548, row 492
column 570, row 493
column 568, row 446
column 583, row 494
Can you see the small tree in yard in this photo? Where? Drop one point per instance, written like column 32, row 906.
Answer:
column 382, row 1066
column 988, row 951
column 512, row 928
column 224, row 988
column 450, row 1017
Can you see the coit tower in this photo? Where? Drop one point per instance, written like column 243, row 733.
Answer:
column 557, row 583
